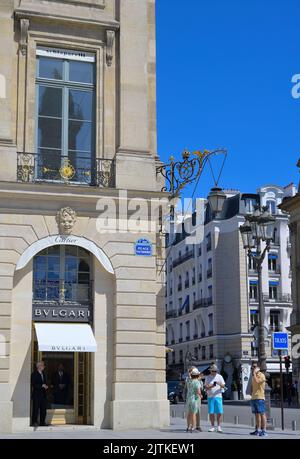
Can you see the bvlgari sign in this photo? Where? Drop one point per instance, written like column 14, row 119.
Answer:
column 61, row 313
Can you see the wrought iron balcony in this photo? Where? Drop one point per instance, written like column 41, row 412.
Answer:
column 171, row 314
column 280, row 298
column 274, row 328
column 183, row 258
column 202, row 303
column 72, row 169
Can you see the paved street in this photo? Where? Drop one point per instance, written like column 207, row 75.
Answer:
column 244, row 413
column 175, row 432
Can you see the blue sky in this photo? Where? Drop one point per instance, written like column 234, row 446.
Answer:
column 224, row 70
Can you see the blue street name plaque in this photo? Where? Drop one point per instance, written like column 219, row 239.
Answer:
column 143, row 248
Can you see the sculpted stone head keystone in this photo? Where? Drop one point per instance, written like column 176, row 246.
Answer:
column 66, row 219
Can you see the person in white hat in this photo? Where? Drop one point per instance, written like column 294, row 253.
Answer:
column 215, row 384
column 193, row 400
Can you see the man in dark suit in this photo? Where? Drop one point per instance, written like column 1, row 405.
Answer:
column 39, row 397
column 61, row 383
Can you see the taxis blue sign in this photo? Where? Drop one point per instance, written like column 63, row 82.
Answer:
column 143, row 248
column 280, row 341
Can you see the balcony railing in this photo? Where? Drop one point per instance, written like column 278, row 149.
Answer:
column 73, row 169
column 183, row 258
column 202, row 303
column 280, row 298
column 209, row 273
column 171, row 314
column 274, row 328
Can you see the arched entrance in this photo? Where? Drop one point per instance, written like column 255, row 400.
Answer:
column 62, row 315
column 24, row 322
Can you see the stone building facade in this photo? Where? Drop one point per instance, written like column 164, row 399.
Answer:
column 78, row 153
column 291, row 205
column 212, row 296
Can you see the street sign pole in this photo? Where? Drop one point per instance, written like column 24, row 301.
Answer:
column 281, row 389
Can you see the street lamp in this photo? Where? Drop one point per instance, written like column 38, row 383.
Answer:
column 258, row 228
column 178, row 174
column 216, row 199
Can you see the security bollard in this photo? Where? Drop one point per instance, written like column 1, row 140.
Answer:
column 294, row 425
column 236, row 420
column 252, row 422
column 183, row 415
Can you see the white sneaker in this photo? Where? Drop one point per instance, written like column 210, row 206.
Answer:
column 212, row 429
column 220, row 429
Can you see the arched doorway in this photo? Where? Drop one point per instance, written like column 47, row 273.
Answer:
column 62, row 306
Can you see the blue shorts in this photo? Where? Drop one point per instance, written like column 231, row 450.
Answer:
column 258, row 406
column 215, row 405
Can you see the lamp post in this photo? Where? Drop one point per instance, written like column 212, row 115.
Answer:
column 178, row 174
column 257, row 229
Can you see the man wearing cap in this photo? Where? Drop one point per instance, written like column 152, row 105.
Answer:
column 258, row 400
column 215, row 384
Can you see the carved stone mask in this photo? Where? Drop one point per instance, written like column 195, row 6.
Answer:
column 66, row 219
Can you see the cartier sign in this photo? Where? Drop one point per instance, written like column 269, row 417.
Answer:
column 61, row 313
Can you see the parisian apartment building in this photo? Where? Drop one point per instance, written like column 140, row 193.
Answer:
column 77, row 138
column 212, row 289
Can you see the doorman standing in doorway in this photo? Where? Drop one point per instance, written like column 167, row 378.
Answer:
column 61, row 383
column 39, row 397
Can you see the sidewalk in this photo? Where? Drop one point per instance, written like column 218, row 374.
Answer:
column 175, row 432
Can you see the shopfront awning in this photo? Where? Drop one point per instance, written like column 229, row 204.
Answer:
column 275, row 368
column 65, row 337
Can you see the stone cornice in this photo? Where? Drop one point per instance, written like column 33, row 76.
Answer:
column 44, row 192
column 106, row 23
column 290, row 203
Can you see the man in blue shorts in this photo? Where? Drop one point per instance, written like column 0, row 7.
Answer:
column 215, row 384
column 258, row 401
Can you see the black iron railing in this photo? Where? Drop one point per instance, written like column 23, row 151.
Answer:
column 203, row 303
column 183, row 258
column 71, row 169
column 171, row 314
column 280, row 298
column 209, row 273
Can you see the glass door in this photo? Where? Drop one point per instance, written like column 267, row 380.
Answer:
column 69, row 380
